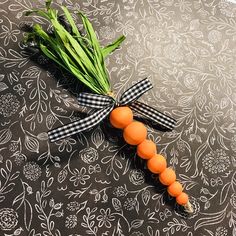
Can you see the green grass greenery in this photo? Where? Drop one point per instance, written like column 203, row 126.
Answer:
column 83, row 56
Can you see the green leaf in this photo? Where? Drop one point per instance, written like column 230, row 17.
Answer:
column 48, row 3
column 82, row 56
column 76, row 32
column 113, row 46
column 98, row 56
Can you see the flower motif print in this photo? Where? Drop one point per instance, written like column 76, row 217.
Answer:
column 233, row 200
column 173, row 52
column 130, row 204
column 216, row 161
column 8, row 34
column 105, row 218
column 66, row 144
column 79, row 177
column 135, row 51
column 165, row 214
column 71, row 221
column 107, row 32
column 14, row 145
column 216, row 181
column 181, row 145
column 32, row 171
column 88, row 155
column 183, row 5
column 19, row 89
column 221, row 231
column 136, row 177
column 191, row 82
column 9, row 104
column 212, row 111
column 214, row 36
column 227, row 8
column 94, row 169
column 19, row 158
column 73, row 206
column 8, row 219
column 120, row 191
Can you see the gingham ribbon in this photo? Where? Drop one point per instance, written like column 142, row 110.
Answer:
column 105, row 104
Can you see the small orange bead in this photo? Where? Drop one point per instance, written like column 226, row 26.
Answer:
column 135, row 133
column 175, row 189
column 167, row 177
column 146, row 149
column 120, row 117
column 182, row 199
column 157, row 164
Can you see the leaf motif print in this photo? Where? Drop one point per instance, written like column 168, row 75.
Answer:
column 210, row 219
column 5, row 136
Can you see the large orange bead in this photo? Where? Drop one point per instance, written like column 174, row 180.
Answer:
column 167, row 177
column 135, row 133
column 146, row 149
column 121, row 117
column 175, row 189
column 157, row 164
column 182, row 199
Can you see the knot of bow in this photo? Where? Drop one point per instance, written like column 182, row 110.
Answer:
column 105, row 104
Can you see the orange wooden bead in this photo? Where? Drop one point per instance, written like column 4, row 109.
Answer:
column 120, row 117
column 135, row 133
column 157, row 164
column 167, row 177
column 146, row 149
column 182, row 199
column 175, row 189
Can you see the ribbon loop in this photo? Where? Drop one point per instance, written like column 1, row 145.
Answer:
column 134, row 92
column 95, row 100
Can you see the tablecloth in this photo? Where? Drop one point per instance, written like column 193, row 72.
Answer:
column 93, row 183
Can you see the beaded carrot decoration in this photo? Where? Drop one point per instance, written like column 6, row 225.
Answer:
column 84, row 57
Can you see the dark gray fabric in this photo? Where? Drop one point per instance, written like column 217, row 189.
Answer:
column 93, row 183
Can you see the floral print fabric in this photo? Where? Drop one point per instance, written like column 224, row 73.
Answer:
column 93, row 183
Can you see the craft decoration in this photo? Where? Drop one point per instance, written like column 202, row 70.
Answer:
column 83, row 57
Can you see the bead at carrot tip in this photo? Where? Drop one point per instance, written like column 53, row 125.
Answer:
column 167, row 177
column 157, row 164
column 175, row 189
column 146, row 149
column 121, row 117
column 182, row 199
column 135, row 133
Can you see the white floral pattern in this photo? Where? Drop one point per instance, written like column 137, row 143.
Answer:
column 9, row 104
column 8, row 219
column 93, row 183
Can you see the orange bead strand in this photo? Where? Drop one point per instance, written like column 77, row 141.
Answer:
column 121, row 117
column 146, row 149
column 182, row 199
column 175, row 189
column 167, row 177
column 135, row 133
column 157, row 164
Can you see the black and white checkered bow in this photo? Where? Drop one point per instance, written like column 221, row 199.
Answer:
column 105, row 104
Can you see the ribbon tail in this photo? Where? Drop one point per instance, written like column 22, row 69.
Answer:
column 78, row 126
column 153, row 114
